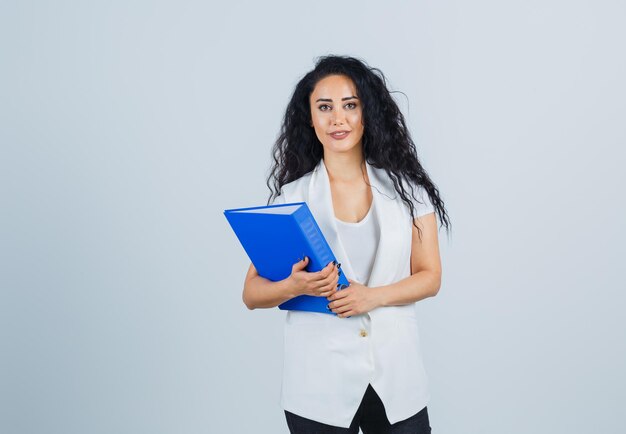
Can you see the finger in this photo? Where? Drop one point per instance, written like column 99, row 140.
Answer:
column 344, row 309
column 329, row 290
column 329, row 293
column 345, row 314
column 301, row 264
column 320, row 277
column 326, row 289
column 327, row 271
column 332, row 291
column 324, row 274
column 332, row 279
column 339, row 294
column 339, row 305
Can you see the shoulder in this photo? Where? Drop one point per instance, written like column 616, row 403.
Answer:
column 385, row 184
column 293, row 189
column 415, row 193
column 420, row 199
column 294, row 185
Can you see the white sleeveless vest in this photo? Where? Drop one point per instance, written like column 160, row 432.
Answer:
column 329, row 361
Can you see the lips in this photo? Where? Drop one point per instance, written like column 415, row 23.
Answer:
column 339, row 134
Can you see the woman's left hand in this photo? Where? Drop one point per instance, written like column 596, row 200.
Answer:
column 353, row 300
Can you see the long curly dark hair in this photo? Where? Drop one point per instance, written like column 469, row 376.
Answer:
column 386, row 141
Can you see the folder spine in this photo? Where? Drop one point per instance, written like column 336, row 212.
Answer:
column 311, row 232
column 320, row 247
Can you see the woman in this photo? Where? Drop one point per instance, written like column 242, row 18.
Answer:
column 345, row 149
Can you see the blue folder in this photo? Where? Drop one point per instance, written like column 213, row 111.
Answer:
column 277, row 236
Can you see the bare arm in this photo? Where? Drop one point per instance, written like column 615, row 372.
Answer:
column 259, row 292
column 425, row 278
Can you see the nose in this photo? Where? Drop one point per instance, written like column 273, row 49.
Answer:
column 338, row 117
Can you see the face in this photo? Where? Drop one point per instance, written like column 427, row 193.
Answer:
column 335, row 106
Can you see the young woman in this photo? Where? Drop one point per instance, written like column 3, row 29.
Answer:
column 345, row 149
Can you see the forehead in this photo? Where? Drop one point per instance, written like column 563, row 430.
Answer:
column 334, row 86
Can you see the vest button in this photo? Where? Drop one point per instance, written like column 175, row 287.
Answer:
column 363, row 332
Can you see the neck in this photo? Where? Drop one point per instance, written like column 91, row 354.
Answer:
column 345, row 167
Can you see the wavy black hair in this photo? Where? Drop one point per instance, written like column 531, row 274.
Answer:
column 386, row 141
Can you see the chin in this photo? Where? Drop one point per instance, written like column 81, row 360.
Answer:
column 347, row 150
column 340, row 148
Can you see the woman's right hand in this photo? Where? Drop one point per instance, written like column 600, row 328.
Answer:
column 321, row 283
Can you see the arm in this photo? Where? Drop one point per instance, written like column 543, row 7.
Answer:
column 424, row 281
column 259, row 292
column 425, row 278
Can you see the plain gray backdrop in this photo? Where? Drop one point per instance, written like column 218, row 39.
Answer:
column 126, row 128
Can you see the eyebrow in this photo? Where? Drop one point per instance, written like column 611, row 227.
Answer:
column 330, row 100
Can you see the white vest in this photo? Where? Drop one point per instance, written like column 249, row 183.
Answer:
column 329, row 361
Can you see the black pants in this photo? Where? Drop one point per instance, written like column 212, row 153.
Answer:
column 370, row 417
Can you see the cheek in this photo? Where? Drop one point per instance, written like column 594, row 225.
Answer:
column 320, row 129
column 319, row 120
column 356, row 118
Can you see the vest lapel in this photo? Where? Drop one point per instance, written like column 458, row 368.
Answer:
column 389, row 213
column 321, row 205
column 391, row 252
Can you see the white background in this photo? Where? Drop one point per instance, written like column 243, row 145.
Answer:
column 126, row 128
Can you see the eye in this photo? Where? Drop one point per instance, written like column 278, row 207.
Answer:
column 323, row 105
column 352, row 104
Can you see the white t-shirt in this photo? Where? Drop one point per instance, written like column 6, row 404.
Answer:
column 360, row 240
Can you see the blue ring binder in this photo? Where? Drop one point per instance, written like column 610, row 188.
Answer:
column 274, row 236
